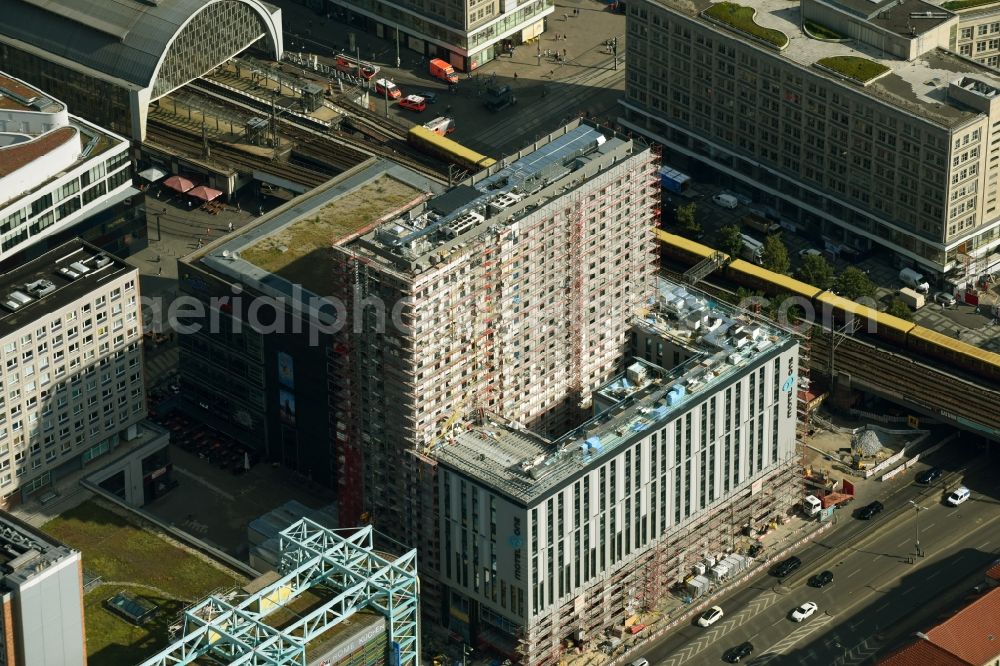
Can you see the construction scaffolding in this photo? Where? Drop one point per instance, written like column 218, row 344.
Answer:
column 235, row 631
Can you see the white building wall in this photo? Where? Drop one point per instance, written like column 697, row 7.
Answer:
column 73, row 381
column 33, row 174
column 33, row 122
column 67, row 198
column 602, row 524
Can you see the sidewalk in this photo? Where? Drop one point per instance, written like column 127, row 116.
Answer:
column 674, row 612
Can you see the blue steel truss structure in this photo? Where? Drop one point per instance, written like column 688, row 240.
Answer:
column 235, row 633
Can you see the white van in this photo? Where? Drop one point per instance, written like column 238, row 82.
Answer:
column 914, row 280
column 726, row 200
column 752, row 250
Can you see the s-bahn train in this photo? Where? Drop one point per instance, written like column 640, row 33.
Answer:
column 899, row 332
column 434, row 144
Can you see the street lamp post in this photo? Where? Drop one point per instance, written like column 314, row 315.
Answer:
column 916, row 526
column 398, row 62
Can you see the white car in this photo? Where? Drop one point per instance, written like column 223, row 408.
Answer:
column 710, row 617
column 958, row 496
column 804, row 611
column 810, row 252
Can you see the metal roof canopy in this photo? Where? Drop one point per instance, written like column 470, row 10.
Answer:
column 310, row 555
column 123, row 39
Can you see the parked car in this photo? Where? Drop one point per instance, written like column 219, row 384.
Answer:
column 804, row 611
column 944, row 298
column 710, row 617
column 930, row 475
column 734, row 654
column 810, row 252
column 786, row 567
column 821, row 579
column 958, row 496
column 413, row 103
column 869, row 511
column 639, row 662
column 429, row 97
column 725, row 200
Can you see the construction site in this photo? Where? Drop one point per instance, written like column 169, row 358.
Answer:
column 662, row 492
column 513, row 292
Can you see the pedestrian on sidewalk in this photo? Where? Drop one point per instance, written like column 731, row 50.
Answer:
column 159, row 271
column 564, row 54
column 230, row 226
column 515, row 76
column 199, row 243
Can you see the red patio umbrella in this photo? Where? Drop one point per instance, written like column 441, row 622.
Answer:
column 204, row 193
column 178, row 184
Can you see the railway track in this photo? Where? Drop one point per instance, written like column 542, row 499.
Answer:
column 313, row 139
column 176, row 138
column 894, row 374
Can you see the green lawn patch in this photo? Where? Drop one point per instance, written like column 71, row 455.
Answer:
column 955, row 5
column 741, row 18
column 821, row 31
column 130, row 558
column 862, row 70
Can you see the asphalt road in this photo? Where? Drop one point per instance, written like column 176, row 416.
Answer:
column 880, row 590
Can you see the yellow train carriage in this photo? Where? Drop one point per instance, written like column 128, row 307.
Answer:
column 771, row 283
column 683, row 248
column 447, row 149
column 835, row 309
column 962, row 354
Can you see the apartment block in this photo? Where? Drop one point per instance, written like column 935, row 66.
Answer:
column 510, row 292
column 882, row 137
column 41, row 598
column 56, row 171
column 465, row 33
column 70, row 338
column 548, row 542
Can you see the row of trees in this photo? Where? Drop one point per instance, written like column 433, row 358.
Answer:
column 852, row 283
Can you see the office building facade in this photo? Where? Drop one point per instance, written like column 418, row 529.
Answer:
column 549, row 541
column 883, row 140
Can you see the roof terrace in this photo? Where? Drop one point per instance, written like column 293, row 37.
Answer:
column 917, row 84
column 526, row 467
column 427, row 234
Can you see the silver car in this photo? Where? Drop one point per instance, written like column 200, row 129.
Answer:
column 944, row 298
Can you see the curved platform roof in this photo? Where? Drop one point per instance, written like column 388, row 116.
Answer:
column 122, row 39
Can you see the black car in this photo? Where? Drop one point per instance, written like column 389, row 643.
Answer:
column 429, row 97
column 930, row 475
column 869, row 511
column 785, row 568
column 821, row 579
column 733, row 655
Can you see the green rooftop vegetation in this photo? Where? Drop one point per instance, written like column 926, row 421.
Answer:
column 741, row 18
column 955, row 5
column 301, row 252
column 821, row 31
column 141, row 563
column 861, row 70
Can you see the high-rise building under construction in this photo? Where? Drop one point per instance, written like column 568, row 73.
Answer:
column 510, row 292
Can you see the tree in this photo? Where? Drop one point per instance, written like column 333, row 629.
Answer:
column 686, row 221
column 817, row 271
column 898, row 308
column 775, row 255
column 854, row 284
column 731, row 240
